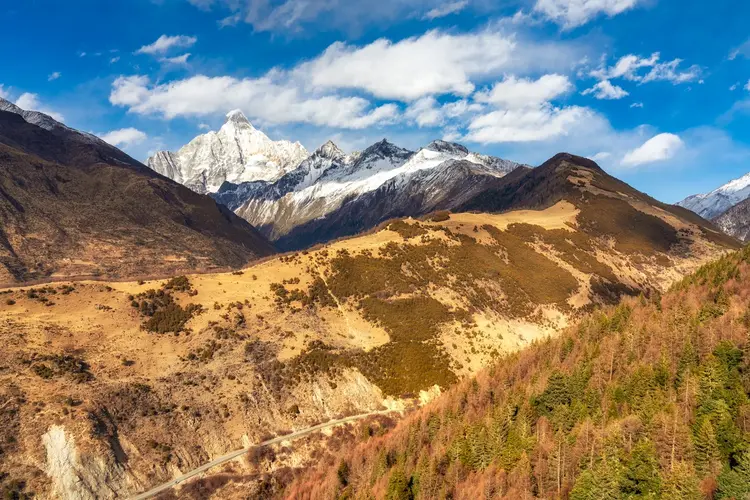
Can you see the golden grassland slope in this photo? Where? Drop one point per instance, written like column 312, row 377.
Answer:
column 648, row 399
column 110, row 388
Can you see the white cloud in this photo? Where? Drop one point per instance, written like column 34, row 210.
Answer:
column 164, row 43
column 574, row 13
column 743, row 50
column 513, row 92
column 601, row 156
column 176, row 61
column 54, row 76
column 433, row 63
column 606, row 90
column 747, row 87
column 124, row 137
column 114, row 60
column 270, row 99
column 446, row 9
column 525, row 125
column 427, row 112
column 294, row 16
column 636, row 105
column 659, row 148
column 30, row 102
column 629, row 66
column 204, row 126
column 4, row 94
column 81, row 54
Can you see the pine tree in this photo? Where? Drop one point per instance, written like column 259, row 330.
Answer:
column 681, row 484
column 399, row 487
column 706, row 449
column 641, row 475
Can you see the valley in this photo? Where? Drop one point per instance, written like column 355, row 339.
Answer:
column 132, row 382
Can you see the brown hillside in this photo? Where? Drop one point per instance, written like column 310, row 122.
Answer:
column 65, row 213
column 649, row 399
column 143, row 380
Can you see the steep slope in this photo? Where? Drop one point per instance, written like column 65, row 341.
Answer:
column 645, row 400
column 75, row 206
column 353, row 194
column 70, row 146
column 711, row 205
column 736, row 221
column 111, row 388
column 237, row 153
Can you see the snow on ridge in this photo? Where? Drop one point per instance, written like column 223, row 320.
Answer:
column 712, row 204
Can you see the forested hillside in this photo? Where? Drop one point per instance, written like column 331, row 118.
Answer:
column 648, row 399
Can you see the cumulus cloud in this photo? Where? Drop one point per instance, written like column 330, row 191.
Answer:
column 525, row 125
column 124, row 137
column 659, row 148
column 515, row 92
column 573, row 13
column 267, row 99
column 428, row 112
column 606, row 90
column 433, row 63
column 446, row 9
column 164, row 43
column 630, row 67
column 31, row 102
column 4, row 94
column 54, row 76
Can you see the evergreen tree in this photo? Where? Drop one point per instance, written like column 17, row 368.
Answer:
column 706, row 448
column 399, row 487
column 641, row 475
column 681, row 484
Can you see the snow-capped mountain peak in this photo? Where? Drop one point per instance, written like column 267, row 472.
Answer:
column 329, row 150
column 237, row 153
column 238, row 117
column 718, row 201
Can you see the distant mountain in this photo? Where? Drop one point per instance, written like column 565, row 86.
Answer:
column 332, row 195
column 736, row 220
column 237, row 153
column 718, row 201
column 73, row 205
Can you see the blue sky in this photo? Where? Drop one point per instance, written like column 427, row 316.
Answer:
column 657, row 91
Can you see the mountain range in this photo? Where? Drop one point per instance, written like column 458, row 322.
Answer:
column 189, row 345
column 73, row 205
column 330, row 194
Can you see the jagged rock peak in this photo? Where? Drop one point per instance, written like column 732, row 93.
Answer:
column 385, row 149
column 329, row 150
column 238, row 117
column 447, row 147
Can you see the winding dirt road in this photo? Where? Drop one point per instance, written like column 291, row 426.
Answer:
column 235, row 454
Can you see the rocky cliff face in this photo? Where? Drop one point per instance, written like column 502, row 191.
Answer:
column 736, row 221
